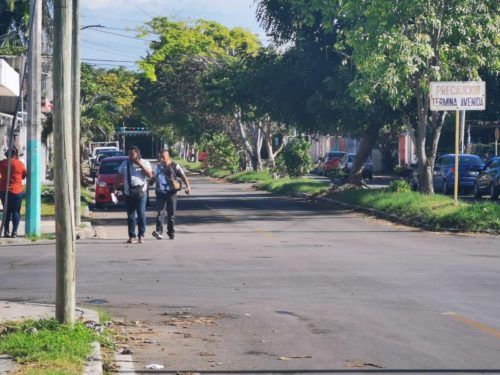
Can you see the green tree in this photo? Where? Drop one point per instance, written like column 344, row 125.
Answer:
column 14, row 24
column 296, row 158
column 222, row 152
column 399, row 47
column 171, row 95
column 309, row 86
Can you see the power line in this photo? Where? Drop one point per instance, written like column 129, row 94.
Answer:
column 124, row 36
column 117, row 61
column 107, row 49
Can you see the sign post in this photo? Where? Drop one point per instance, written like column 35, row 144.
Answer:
column 457, row 96
column 497, row 137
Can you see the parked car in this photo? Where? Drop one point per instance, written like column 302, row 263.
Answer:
column 469, row 167
column 102, row 155
column 106, row 178
column 330, row 162
column 488, row 181
column 348, row 161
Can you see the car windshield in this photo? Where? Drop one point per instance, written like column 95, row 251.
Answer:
column 108, row 154
column 104, row 150
column 464, row 160
column 110, row 167
column 332, row 155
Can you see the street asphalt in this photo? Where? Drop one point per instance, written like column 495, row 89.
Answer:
column 258, row 282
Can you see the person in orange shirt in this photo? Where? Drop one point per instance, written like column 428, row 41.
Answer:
column 15, row 191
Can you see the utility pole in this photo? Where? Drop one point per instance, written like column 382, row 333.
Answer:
column 63, row 161
column 75, row 88
column 34, row 182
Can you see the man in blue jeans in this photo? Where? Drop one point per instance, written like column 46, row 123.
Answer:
column 166, row 195
column 135, row 173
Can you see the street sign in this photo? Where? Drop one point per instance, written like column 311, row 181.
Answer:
column 458, row 96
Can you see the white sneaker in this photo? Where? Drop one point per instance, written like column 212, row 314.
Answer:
column 157, row 235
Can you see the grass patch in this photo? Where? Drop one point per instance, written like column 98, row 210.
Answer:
column 218, row 173
column 435, row 211
column 250, row 176
column 48, row 347
column 43, row 236
column 193, row 167
column 290, row 186
column 48, row 209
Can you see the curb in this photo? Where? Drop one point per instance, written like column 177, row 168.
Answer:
column 94, row 362
column 385, row 216
column 85, row 233
column 125, row 364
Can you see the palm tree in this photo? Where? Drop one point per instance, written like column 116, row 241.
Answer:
column 14, row 24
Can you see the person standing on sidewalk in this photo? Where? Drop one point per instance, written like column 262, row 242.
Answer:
column 14, row 190
column 135, row 173
column 167, row 174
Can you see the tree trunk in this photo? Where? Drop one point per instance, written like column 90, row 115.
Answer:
column 427, row 142
column 364, row 151
column 270, row 152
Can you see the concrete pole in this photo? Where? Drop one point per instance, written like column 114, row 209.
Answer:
column 75, row 88
column 34, row 144
column 63, row 162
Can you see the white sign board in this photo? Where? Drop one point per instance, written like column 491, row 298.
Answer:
column 458, row 96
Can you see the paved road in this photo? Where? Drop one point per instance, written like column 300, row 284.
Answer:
column 256, row 282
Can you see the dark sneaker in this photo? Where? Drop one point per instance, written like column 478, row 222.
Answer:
column 13, row 235
column 157, row 235
column 6, row 235
column 141, row 240
column 131, row 240
column 171, row 236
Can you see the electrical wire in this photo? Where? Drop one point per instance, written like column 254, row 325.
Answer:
column 123, row 36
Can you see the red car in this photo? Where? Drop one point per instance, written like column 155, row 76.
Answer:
column 331, row 162
column 106, row 178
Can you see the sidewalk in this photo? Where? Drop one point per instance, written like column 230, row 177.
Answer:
column 48, row 229
column 10, row 311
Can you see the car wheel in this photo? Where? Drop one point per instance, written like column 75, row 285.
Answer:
column 477, row 192
column 493, row 192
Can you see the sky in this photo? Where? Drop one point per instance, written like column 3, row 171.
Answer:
column 101, row 46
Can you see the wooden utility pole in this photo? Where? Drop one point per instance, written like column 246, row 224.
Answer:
column 63, row 163
column 34, row 144
column 75, row 88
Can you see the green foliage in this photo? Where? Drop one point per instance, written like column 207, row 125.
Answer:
column 400, row 186
column 218, row 172
column 203, row 40
column 250, row 176
column 222, row 153
column 436, row 211
column 107, row 98
column 48, row 194
column 171, row 95
column 296, row 158
column 48, row 344
column 292, row 186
